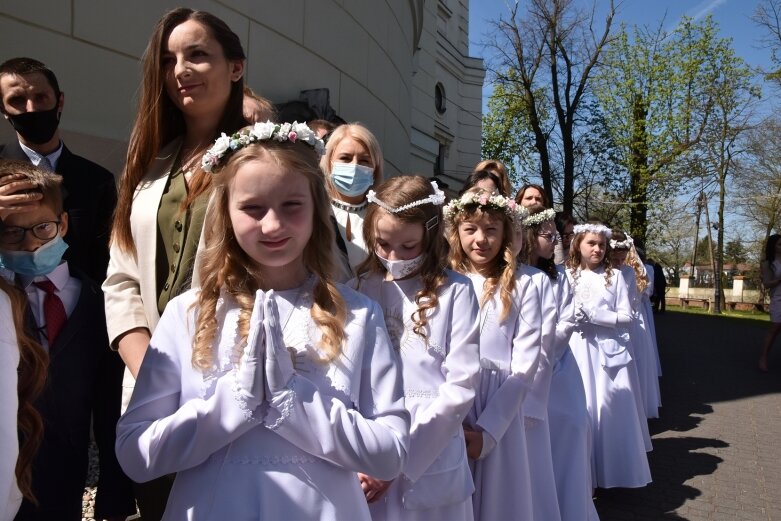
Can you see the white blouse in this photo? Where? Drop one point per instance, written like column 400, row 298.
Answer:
column 293, row 456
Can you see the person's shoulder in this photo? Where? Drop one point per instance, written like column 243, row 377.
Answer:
column 353, row 298
column 83, row 164
column 456, row 279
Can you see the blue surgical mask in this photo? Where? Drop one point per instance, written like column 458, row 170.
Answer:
column 35, row 263
column 352, row 179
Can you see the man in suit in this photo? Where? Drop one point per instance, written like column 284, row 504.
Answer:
column 32, row 103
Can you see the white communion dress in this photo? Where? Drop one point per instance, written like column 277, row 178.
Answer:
column 600, row 345
column 440, row 377
column 570, row 425
column 509, row 357
column 290, row 451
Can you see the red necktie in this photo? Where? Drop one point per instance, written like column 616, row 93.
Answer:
column 53, row 311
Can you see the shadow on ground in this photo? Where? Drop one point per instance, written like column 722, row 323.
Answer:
column 705, row 360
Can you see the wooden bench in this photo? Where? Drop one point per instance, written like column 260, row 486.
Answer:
column 747, row 306
column 701, row 302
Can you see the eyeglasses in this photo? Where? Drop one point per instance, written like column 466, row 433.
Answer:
column 551, row 237
column 44, row 231
column 567, row 235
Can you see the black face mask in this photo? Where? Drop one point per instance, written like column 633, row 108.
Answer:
column 36, row 127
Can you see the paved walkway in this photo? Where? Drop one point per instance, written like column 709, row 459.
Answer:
column 717, row 445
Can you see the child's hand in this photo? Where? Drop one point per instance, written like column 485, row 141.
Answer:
column 474, row 443
column 372, row 488
column 16, row 196
column 279, row 366
column 248, row 377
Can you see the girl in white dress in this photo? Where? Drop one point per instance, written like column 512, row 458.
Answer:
column 480, row 233
column 600, row 345
column 432, row 318
column 269, row 387
column 568, row 419
column 624, row 257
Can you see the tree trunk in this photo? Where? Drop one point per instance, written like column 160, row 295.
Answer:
column 638, row 172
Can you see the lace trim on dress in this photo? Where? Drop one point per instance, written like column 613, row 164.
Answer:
column 285, row 407
column 421, row 393
column 273, row 460
column 241, row 400
column 227, row 354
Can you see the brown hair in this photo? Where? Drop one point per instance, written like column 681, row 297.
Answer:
column 480, row 175
column 398, row 191
column 33, row 365
column 159, row 121
column 502, row 269
column 47, row 183
column 498, row 168
column 574, row 260
column 226, row 267
column 519, row 195
column 24, row 66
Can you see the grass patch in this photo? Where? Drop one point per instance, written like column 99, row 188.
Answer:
column 750, row 315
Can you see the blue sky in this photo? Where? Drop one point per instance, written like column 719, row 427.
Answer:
column 732, row 16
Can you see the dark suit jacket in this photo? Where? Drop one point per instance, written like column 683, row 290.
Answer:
column 83, row 387
column 90, row 198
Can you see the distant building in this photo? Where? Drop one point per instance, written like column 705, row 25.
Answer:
column 400, row 67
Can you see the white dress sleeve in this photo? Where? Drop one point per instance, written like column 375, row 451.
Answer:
column 10, row 497
column 434, row 426
column 527, row 341
column 565, row 323
column 622, row 313
column 158, row 435
column 371, row 439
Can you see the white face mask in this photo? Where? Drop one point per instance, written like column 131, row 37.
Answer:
column 398, row 269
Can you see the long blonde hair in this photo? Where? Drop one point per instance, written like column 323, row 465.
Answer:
column 396, row 192
column 501, row 273
column 226, row 267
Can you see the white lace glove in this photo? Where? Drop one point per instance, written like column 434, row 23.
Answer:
column 279, row 366
column 249, row 380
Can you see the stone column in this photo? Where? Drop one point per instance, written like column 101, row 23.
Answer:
column 737, row 288
column 683, row 287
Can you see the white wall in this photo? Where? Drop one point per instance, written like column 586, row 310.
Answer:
column 379, row 58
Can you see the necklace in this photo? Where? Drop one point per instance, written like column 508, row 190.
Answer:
column 347, row 207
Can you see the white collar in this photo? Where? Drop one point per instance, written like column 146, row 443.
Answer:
column 59, row 276
column 35, row 157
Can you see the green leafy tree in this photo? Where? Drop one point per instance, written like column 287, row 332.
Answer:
column 657, row 92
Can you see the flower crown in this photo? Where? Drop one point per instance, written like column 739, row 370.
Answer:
column 622, row 245
column 540, row 217
column 437, row 199
column 483, row 199
column 226, row 145
column 593, row 228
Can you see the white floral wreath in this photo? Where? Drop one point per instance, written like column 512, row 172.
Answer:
column 622, row 245
column 593, row 228
column 225, row 145
column 483, row 199
column 540, row 217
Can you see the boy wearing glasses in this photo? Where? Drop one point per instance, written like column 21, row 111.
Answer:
column 84, row 378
